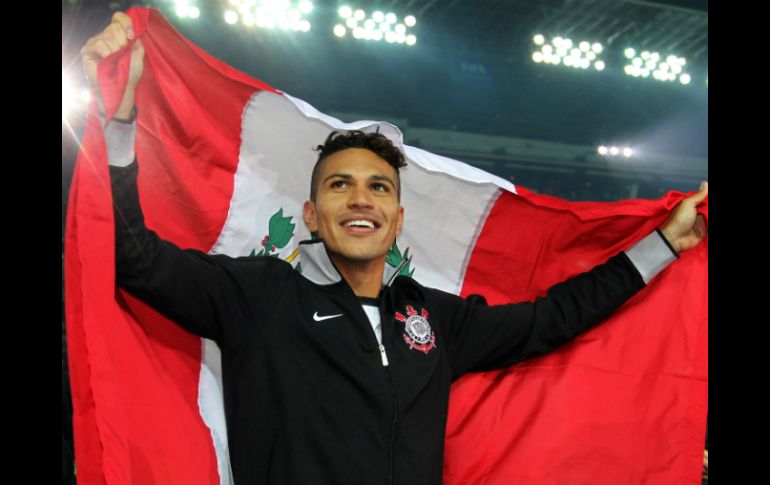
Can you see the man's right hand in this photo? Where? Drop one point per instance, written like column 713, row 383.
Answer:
column 112, row 39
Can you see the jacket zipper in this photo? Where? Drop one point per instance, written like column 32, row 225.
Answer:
column 394, row 426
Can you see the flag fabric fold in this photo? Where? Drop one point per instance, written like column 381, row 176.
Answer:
column 224, row 165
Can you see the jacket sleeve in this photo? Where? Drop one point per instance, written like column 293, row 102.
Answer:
column 213, row 296
column 479, row 337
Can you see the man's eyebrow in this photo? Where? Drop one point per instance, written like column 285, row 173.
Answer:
column 338, row 174
column 383, row 177
column 348, row 176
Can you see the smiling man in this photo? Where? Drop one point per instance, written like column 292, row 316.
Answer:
column 341, row 373
column 355, row 205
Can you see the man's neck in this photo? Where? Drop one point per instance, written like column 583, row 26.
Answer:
column 364, row 277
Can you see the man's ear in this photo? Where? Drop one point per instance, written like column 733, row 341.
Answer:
column 309, row 216
column 400, row 223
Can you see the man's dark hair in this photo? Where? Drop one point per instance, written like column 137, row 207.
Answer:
column 377, row 143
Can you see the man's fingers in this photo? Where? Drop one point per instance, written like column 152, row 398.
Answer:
column 700, row 226
column 118, row 32
column 125, row 22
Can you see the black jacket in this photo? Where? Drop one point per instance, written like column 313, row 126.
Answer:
column 316, row 402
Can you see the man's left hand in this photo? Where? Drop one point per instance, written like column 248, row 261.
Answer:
column 686, row 228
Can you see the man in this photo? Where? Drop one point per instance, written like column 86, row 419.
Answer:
column 341, row 374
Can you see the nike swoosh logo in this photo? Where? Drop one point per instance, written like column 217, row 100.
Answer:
column 319, row 318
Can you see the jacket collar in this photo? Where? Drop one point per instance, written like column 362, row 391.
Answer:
column 319, row 268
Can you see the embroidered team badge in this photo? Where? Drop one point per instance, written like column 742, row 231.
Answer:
column 418, row 334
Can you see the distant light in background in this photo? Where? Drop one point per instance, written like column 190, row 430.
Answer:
column 614, row 150
column 651, row 63
column 578, row 55
column 627, row 152
column 73, row 97
column 272, row 14
column 305, row 6
column 67, row 96
column 379, row 27
column 603, row 150
column 231, row 17
column 184, row 9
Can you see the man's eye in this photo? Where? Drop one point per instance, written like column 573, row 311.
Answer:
column 380, row 187
column 338, row 184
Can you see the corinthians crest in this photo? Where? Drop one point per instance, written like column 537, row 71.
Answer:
column 418, row 333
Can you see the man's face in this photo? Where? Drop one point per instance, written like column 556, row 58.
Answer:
column 356, row 211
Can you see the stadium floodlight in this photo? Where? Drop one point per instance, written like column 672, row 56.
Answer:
column 567, row 43
column 537, row 57
column 400, row 29
column 645, row 73
column 614, row 151
column 304, row 26
column 629, row 53
column 597, row 48
column 390, row 18
column 591, row 56
column 378, row 16
column 193, row 12
column 561, row 50
column 684, row 78
column 585, row 46
column 358, row 33
column 637, row 62
column 538, row 39
column 67, row 96
column 599, row 65
column 547, row 49
column 369, row 24
column 345, row 12
column 568, row 61
column 351, row 23
column 603, row 150
column 576, row 53
column 231, row 17
column 390, row 37
column 359, row 14
column 339, row 30
column 305, row 6
column 557, row 41
column 645, row 55
column 410, row 21
column 585, row 63
column 411, row 39
column 627, row 152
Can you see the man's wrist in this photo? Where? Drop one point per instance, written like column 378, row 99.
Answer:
column 669, row 241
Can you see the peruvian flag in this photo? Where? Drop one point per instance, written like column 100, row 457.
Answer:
column 225, row 164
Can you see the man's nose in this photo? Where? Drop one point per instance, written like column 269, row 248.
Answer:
column 360, row 196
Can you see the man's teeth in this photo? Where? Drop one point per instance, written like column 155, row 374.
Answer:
column 369, row 224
